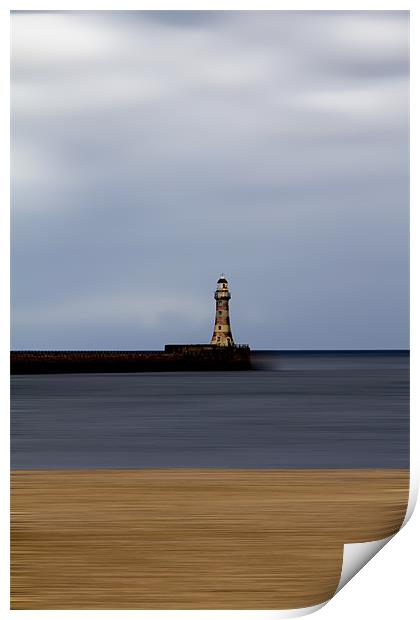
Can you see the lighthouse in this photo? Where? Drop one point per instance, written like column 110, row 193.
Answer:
column 222, row 335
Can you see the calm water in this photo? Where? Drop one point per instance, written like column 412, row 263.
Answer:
column 300, row 410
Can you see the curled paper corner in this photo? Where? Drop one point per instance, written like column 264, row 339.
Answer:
column 356, row 556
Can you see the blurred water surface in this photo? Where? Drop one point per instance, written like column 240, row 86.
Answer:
column 298, row 410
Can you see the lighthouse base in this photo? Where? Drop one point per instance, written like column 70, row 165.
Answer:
column 211, row 357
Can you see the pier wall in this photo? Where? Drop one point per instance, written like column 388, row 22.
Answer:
column 174, row 358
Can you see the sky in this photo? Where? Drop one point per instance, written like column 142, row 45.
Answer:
column 152, row 151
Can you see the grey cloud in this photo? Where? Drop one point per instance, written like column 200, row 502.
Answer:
column 188, row 19
column 272, row 146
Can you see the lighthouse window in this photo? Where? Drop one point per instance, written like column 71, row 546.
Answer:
column 220, row 312
column 220, row 327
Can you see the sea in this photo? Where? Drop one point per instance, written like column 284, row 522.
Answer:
column 294, row 410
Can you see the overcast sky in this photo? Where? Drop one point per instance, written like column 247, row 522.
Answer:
column 152, row 151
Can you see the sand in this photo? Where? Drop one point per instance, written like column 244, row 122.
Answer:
column 193, row 539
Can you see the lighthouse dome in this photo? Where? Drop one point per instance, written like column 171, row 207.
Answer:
column 222, row 281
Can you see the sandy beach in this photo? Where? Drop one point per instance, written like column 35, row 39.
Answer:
column 189, row 539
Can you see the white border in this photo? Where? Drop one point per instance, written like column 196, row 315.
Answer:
column 395, row 565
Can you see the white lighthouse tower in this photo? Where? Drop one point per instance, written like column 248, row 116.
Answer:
column 222, row 335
